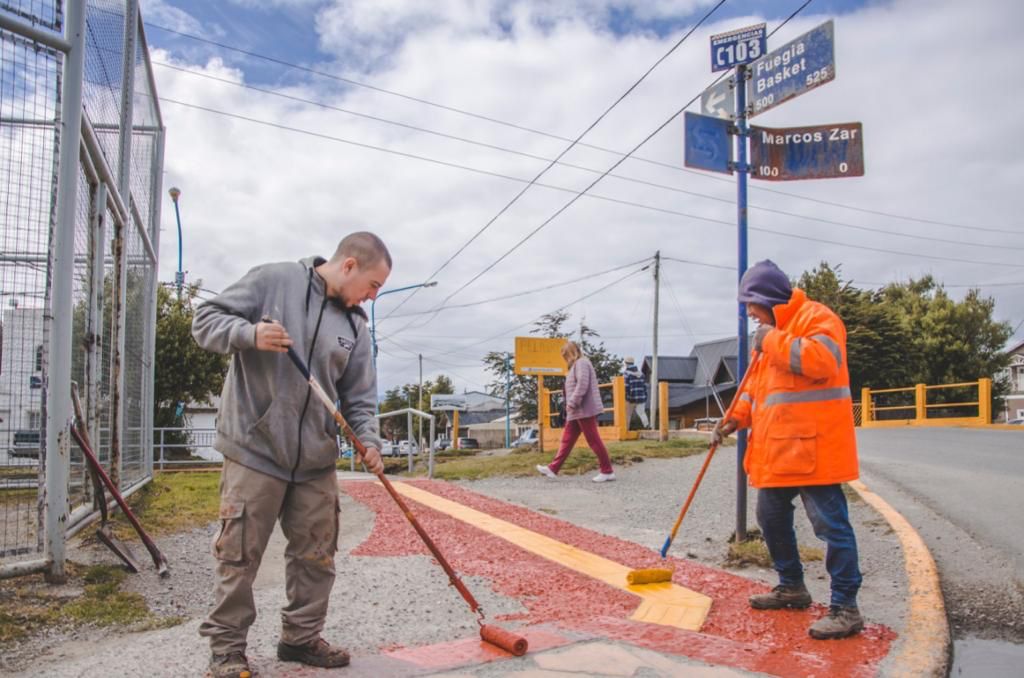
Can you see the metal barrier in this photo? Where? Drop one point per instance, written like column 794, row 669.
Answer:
column 878, row 410
column 198, row 442
column 81, row 156
column 550, row 436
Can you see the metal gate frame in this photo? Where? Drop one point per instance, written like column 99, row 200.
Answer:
column 135, row 243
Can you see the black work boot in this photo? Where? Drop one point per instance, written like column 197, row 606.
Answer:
column 230, row 665
column 317, row 653
column 840, row 622
column 782, row 597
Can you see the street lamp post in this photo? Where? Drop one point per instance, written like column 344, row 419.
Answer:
column 179, row 276
column 373, row 314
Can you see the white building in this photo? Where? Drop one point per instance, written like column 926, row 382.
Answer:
column 1013, row 404
column 21, row 373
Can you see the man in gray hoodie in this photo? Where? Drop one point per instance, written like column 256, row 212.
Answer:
column 279, row 448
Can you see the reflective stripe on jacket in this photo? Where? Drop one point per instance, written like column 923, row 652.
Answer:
column 798, row 403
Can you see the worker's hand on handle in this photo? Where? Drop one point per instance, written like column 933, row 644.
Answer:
column 371, row 458
column 722, row 430
column 759, row 335
column 272, row 336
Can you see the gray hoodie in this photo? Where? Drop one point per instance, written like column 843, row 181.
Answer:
column 269, row 419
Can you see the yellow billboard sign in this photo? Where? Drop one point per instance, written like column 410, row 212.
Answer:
column 540, row 356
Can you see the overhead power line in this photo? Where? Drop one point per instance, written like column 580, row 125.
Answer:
column 577, row 194
column 551, row 164
column 524, row 293
column 550, row 135
column 595, row 181
column 582, row 168
column 555, row 310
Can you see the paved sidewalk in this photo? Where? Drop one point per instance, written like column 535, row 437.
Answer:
column 393, row 607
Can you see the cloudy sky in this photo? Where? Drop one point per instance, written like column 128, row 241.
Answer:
column 293, row 122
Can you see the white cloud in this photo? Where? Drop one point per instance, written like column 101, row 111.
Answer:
column 164, row 13
column 933, row 84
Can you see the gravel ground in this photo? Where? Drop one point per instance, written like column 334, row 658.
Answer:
column 380, row 603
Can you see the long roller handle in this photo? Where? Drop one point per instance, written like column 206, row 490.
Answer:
column 158, row 558
column 707, row 460
column 361, row 450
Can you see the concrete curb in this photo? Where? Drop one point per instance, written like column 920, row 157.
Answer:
column 923, row 648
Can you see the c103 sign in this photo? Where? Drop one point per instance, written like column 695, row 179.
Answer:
column 738, row 47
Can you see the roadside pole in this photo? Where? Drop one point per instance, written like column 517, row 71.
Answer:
column 742, row 169
column 762, row 81
column 508, row 390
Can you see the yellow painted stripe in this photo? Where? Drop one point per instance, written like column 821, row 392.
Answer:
column 664, row 603
column 924, row 645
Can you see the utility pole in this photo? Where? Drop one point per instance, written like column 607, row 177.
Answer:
column 654, row 358
column 419, row 404
column 508, row 387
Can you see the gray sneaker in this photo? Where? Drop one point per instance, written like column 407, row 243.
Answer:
column 782, row 597
column 230, row 665
column 545, row 471
column 840, row 622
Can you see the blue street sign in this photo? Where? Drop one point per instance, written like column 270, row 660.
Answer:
column 708, row 144
column 818, row 152
column 737, row 47
column 797, row 67
column 719, row 100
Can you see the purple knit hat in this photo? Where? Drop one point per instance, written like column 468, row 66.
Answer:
column 764, row 283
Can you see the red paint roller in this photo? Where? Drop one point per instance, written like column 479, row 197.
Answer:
column 495, row 635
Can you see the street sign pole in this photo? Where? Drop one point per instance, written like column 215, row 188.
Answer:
column 742, row 169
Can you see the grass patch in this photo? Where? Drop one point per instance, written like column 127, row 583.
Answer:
column 18, row 497
column 173, row 502
column 521, row 461
column 19, row 471
column 754, row 551
column 91, row 597
column 104, row 603
column 23, row 614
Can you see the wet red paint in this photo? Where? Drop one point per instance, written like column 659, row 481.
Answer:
column 473, row 650
column 733, row 635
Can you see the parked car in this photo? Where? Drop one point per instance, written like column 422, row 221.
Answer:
column 406, row 447
column 442, row 444
column 706, row 423
column 1017, row 422
column 468, row 444
column 26, row 444
column 389, row 449
column 528, row 438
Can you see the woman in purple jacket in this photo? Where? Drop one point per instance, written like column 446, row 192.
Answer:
column 582, row 405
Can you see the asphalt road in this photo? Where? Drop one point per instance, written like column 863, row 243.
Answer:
column 962, row 490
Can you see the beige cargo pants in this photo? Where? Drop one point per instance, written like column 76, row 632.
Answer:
column 250, row 504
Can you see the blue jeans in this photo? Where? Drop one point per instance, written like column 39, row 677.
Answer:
column 826, row 508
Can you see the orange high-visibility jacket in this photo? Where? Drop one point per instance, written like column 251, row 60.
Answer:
column 797, row 402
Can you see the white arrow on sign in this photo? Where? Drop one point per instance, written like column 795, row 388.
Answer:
column 719, row 100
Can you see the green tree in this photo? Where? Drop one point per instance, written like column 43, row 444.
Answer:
column 953, row 341
column 182, row 371
column 913, row 332
column 878, row 346
column 523, row 388
column 401, row 397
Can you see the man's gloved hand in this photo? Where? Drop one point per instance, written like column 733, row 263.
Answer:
column 723, row 429
column 374, row 464
column 759, row 335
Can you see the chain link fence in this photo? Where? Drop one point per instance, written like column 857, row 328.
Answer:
column 113, row 162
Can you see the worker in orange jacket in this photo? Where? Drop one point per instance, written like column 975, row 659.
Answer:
column 798, row 407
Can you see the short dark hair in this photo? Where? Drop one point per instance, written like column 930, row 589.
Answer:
column 365, row 247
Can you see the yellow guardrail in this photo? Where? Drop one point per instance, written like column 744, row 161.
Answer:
column 921, row 406
column 550, row 435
